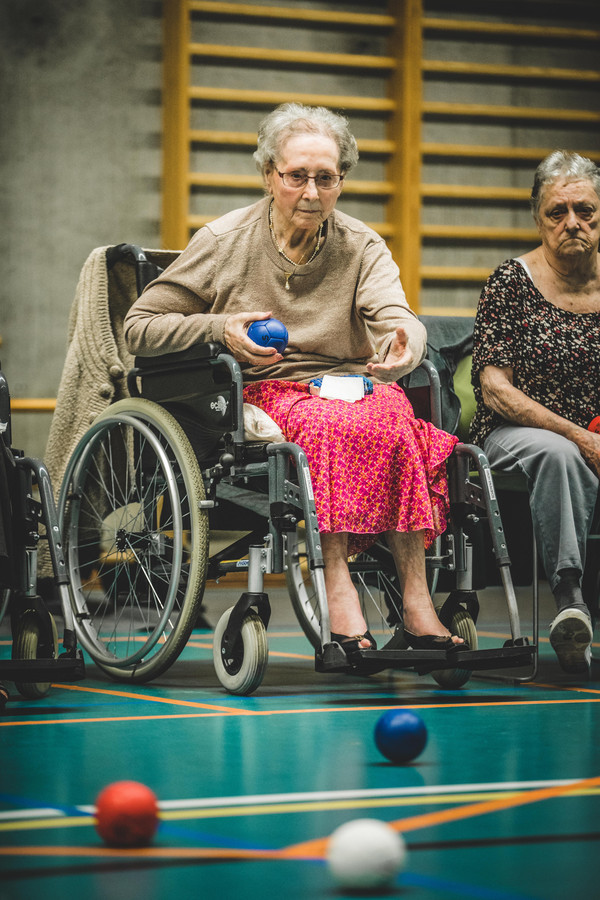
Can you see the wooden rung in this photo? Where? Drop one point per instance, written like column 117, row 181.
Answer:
column 241, row 11
column 447, row 311
column 509, row 73
column 451, row 273
column 237, row 97
column 385, row 229
column 512, row 154
column 32, row 404
column 366, row 146
column 502, row 29
column 296, row 58
column 473, row 233
column 474, row 192
column 487, row 111
column 255, row 182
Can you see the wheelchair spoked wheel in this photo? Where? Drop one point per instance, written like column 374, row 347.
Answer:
column 462, row 624
column 28, row 643
column 242, row 670
column 374, row 574
column 136, row 539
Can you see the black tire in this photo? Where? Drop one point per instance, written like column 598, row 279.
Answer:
column 28, row 644
column 463, row 625
column 136, row 539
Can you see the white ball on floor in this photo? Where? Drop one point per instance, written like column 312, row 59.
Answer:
column 365, row 853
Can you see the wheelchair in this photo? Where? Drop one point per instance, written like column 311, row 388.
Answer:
column 36, row 661
column 157, row 471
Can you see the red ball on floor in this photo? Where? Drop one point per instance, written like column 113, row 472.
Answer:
column 126, row 814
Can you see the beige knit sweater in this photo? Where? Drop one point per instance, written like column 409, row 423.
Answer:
column 97, row 361
column 341, row 311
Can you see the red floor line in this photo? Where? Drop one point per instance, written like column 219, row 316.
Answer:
column 232, row 712
column 316, row 848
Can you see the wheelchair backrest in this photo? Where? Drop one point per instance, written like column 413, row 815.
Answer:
column 5, row 424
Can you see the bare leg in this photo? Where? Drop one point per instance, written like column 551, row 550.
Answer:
column 342, row 599
column 419, row 614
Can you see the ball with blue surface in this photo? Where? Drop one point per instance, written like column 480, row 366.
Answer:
column 400, row 735
column 269, row 333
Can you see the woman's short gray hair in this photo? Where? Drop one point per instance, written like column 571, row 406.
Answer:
column 294, row 118
column 563, row 164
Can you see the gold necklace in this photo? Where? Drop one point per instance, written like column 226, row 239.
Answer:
column 289, row 275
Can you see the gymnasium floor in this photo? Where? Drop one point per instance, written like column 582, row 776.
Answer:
column 503, row 803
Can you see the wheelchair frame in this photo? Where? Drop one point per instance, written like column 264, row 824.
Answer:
column 202, row 389
column 35, row 662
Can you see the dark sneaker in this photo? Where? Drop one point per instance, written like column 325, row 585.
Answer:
column 571, row 637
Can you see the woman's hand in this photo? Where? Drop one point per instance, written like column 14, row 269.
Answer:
column 239, row 344
column 589, row 447
column 399, row 360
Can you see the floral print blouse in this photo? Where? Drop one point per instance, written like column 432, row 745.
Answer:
column 554, row 354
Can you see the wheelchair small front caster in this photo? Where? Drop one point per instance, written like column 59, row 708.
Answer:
column 28, row 643
column 462, row 624
column 241, row 668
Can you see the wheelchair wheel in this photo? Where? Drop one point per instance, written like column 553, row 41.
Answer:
column 376, row 580
column 463, row 625
column 136, row 539
column 242, row 671
column 28, row 644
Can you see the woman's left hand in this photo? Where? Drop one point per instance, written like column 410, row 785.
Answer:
column 399, row 361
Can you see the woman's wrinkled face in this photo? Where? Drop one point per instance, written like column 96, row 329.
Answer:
column 307, row 206
column 569, row 218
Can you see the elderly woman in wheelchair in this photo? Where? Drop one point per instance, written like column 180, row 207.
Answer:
column 375, row 468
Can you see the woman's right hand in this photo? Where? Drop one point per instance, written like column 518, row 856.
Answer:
column 239, row 344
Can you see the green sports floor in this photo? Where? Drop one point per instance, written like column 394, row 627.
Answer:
column 502, row 804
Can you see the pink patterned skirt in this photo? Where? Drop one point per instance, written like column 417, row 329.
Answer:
column 374, row 466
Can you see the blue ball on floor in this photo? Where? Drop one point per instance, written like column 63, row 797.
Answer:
column 400, row 735
column 269, row 333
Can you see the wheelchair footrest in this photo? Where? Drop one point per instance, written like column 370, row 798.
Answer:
column 368, row 662
column 496, row 658
column 63, row 668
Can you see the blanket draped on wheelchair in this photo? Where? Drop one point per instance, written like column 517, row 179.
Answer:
column 374, row 466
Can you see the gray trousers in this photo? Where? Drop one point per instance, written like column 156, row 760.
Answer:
column 563, row 491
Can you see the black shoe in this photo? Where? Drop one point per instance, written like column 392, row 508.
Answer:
column 432, row 642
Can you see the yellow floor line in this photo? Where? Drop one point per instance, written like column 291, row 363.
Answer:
column 268, row 809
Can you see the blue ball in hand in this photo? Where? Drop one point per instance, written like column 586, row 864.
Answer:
column 269, row 333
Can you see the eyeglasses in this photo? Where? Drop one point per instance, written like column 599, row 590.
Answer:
column 323, row 181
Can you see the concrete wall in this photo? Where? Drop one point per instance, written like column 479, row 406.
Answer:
column 80, row 147
column 80, row 107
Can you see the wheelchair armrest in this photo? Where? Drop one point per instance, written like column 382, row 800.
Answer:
column 208, row 350
column 204, row 382
column 183, row 360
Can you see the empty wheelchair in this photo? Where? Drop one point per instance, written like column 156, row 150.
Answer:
column 156, row 472
column 28, row 515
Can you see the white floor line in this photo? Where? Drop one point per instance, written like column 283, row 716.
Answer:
column 309, row 796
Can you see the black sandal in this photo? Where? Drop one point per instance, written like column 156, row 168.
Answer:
column 350, row 642
column 432, row 642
